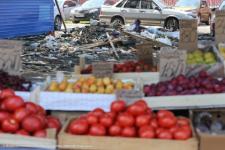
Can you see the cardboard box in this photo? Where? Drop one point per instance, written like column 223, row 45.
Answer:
column 12, row 140
column 216, row 70
column 210, row 141
column 73, row 142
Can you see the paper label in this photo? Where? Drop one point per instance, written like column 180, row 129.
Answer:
column 145, row 53
column 102, row 69
column 10, row 56
column 59, row 76
column 172, row 63
column 129, row 95
column 220, row 27
column 188, row 35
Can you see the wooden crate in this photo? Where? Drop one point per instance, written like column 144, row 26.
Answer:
column 13, row 140
column 74, row 142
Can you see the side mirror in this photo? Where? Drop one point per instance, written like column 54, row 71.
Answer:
column 157, row 8
column 213, row 9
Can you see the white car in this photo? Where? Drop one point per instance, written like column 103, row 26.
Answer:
column 150, row 12
column 65, row 7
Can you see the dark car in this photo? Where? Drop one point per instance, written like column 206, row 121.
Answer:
column 212, row 27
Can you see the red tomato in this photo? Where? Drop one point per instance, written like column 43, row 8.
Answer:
column 97, row 130
column 43, row 120
column 106, row 121
column 22, row 132
column 142, row 120
column 165, row 134
column 98, row 112
column 142, row 102
column 183, row 122
column 115, row 130
column 181, row 134
column 41, row 110
column 2, row 107
column 128, row 132
column 125, row 120
column 118, row 106
column 6, row 93
column 10, row 125
column 149, row 111
column 163, row 113
column 53, row 122
column 78, row 127
column 20, row 114
column 111, row 114
column 136, row 109
column 173, row 129
column 187, row 127
column 159, row 130
column 167, row 121
column 92, row 119
column 31, row 124
column 31, row 107
column 154, row 123
column 13, row 102
column 146, row 132
column 40, row 133
column 4, row 115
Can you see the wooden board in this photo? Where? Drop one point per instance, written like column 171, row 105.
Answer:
column 31, row 142
column 151, row 41
column 187, row 101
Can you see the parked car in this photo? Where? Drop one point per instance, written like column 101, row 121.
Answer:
column 150, row 12
column 65, row 8
column 212, row 26
column 88, row 10
column 204, row 13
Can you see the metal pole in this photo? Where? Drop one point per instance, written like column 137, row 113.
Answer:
column 57, row 4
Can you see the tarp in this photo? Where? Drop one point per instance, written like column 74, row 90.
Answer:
column 25, row 17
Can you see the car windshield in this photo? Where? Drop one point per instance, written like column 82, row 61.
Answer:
column 188, row 3
column 110, row 2
column 93, row 3
column 222, row 6
column 160, row 3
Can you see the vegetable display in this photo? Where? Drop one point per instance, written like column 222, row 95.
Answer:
column 135, row 120
column 24, row 118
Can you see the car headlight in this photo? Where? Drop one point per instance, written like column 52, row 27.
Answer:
column 93, row 10
column 192, row 15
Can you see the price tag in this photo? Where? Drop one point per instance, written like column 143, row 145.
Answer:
column 102, row 69
column 220, row 27
column 172, row 63
column 35, row 95
column 129, row 95
column 10, row 56
column 145, row 53
column 188, row 35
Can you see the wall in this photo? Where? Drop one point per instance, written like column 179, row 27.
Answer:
column 25, row 17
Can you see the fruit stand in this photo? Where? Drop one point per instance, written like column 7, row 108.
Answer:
column 154, row 96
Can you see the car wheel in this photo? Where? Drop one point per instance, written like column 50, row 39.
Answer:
column 117, row 22
column 172, row 24
column 58, row 23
